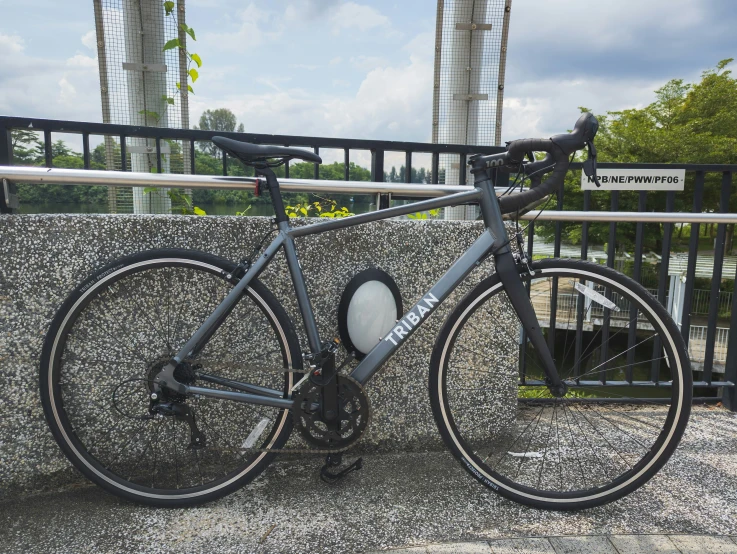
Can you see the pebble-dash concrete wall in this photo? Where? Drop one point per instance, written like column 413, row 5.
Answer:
column 45, row 256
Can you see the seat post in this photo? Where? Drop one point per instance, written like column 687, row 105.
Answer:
column 276, row 199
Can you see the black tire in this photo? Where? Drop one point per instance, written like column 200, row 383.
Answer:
column 90, row 402
column 547, row 475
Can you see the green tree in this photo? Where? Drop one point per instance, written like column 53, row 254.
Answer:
column 221, row 119
column 687, row 123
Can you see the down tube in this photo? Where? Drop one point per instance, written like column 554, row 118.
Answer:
column 417, row 315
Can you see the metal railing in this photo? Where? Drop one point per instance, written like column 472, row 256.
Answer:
column 724, row 382
column 702, row 299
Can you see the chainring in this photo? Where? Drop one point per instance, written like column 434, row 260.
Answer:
column 354, row 414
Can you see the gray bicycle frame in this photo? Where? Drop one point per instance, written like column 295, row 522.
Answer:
column 492, row 240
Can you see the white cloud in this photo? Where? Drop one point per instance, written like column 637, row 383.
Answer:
column 80, row 60
column 89, row 39
column 391, row 102
column 547, row 107
column 27, row 84
column 350, row 15
column 336, row 60
column 67, row 92
column 11, row 43
column 367, row 63
column 255, row 27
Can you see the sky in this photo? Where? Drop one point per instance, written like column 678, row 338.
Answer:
column 362, row 69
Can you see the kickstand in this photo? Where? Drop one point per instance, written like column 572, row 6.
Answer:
column 334, row 460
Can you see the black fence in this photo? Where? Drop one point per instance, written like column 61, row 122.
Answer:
column 704, row 181
column 378, row 148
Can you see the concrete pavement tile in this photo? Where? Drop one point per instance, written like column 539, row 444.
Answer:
column 521, row 546
column 635, row 544
column 582, row 545
column 703, row 544
column 478, row 547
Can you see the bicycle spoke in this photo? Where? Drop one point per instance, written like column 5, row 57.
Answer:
column 571, row 444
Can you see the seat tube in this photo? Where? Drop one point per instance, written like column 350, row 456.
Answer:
column 275, row 194
column 300, row 289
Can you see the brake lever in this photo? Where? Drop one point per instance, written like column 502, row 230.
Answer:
column 589, row 166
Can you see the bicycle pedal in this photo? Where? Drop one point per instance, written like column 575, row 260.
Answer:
column 331, row 477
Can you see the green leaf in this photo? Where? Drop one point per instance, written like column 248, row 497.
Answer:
column 196, row 59
column 190, row 89
column 173, row 43
column 303, row 211
column 193, row 74
column 148, row 113
column 188, row 30
column 168, row 7
column 199, row 211
column 167, row 99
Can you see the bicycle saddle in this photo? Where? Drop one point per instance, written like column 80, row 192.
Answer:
column 249, row 153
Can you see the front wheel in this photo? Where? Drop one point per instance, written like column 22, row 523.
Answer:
column 592, row 445
column 111, row 338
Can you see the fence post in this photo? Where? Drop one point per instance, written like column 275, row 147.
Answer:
column 377, row 176
column 8, row 190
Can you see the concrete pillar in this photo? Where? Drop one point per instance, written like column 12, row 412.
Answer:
column 144, row 43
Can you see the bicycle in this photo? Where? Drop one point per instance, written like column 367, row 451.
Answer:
column 174, row 377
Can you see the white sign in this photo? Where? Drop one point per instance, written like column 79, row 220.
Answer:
column 636, row 179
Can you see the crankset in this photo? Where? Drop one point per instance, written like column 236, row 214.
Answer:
column 343, row 429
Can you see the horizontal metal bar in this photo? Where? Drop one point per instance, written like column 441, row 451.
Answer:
column 20, row 174
column 646, row 217
column 57, row 176
column 473, row 26
column 154, row 67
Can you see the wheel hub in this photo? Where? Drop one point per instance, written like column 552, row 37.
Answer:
column 184, row 373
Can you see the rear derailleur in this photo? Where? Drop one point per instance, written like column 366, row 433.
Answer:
column 180, row 411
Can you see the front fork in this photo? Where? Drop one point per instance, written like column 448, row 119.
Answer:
column 506, row 268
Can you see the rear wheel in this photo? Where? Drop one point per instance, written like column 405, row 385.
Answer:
column 594, row 444
column 112, row 337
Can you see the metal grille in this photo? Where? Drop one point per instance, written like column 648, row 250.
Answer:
column 470, row 55
column 136, row 77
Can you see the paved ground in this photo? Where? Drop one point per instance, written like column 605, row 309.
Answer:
column 588, row 544
column 396, row 501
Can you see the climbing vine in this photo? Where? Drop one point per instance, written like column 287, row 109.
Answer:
column 192, row 58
